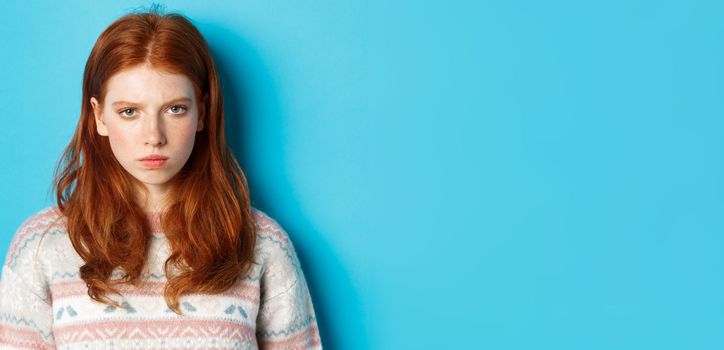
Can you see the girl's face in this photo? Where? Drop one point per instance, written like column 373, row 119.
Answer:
column 148, row 112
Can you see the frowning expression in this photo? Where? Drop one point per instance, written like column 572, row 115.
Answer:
column 149, row 113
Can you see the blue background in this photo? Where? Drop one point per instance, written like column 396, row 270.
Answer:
column 459, row 174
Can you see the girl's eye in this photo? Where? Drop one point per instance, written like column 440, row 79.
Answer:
column 178, row 109
column 124, row 112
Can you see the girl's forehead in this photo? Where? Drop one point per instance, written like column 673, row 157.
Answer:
column 147, row 83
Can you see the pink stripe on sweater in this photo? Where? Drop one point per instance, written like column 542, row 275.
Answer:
column 300, row 341
column 152, row 329
column 21, row 337
column 75, row 288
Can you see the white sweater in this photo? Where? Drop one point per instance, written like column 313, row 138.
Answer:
column 44, row 304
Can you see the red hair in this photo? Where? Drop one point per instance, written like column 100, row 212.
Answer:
column 208, row 219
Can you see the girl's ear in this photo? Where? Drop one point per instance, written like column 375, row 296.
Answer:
column 200, row 125
column 98, row 114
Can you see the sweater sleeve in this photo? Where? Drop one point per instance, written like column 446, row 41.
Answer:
column 26, row 314
column 286, row 318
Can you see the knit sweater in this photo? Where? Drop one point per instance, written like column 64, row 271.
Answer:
column 44, row 304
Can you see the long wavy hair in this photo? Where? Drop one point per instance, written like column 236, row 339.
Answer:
column 208, row 220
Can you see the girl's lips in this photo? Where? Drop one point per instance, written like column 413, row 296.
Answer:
column 153, row 163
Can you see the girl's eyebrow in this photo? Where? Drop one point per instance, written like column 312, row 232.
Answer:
column 175, row 100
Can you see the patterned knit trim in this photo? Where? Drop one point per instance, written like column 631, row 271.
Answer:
column 307, row 339
column 21, row 338
column 76, row 288
column 153, row 329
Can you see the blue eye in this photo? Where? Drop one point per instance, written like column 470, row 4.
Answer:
column 123, row 112
column 178, row 109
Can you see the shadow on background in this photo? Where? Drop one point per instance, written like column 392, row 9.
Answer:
column 243, row 75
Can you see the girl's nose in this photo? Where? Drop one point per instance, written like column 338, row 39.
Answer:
column 154, row 132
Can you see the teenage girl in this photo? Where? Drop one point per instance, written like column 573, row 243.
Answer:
column 153, row 242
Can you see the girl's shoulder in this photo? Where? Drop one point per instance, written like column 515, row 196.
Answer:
column 44, row 218
column 31, row 232
column 33, row 246
column 274, row 245
column 267, row 228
